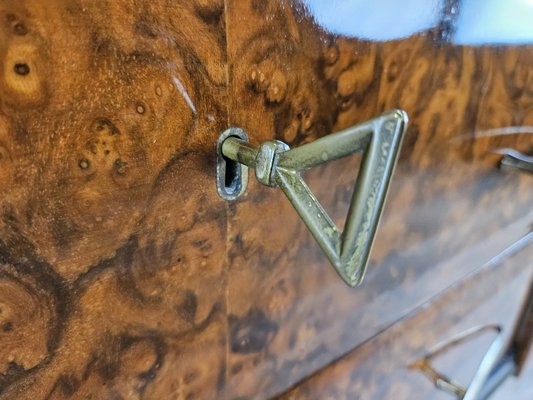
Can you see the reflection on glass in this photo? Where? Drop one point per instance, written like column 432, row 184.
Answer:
column 495, row 21
column 376, row 19
column 477, row 22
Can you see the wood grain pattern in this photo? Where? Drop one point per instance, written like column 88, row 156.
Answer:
column 448, row 208
column 123, row 275
column 379, row 369
column 111, row 237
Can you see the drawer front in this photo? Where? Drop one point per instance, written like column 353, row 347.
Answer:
column 449, row 210
column 380, row 368
column 124, row 274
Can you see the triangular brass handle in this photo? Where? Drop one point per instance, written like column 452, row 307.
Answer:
column 278, row 166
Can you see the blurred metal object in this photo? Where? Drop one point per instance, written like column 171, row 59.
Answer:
column 514, row 160
column 503, row 358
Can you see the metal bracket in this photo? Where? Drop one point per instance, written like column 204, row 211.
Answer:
column 278, row 166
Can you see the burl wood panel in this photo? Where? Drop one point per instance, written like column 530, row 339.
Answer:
column 112, row 237
column 380, row 368
column 123, row 275
column 449, row 210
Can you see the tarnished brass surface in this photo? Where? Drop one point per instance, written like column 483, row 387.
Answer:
column 278, row 166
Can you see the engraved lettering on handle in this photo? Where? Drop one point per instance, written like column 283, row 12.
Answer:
column 276, row 165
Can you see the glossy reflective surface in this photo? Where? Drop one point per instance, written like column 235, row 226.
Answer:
column 122, row 272
column 450, row 209
column 490, row 295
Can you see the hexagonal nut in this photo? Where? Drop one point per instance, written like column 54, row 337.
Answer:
column 265, row 162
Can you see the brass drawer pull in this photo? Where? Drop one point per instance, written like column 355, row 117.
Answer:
column 278, row 166
column 477, row 389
